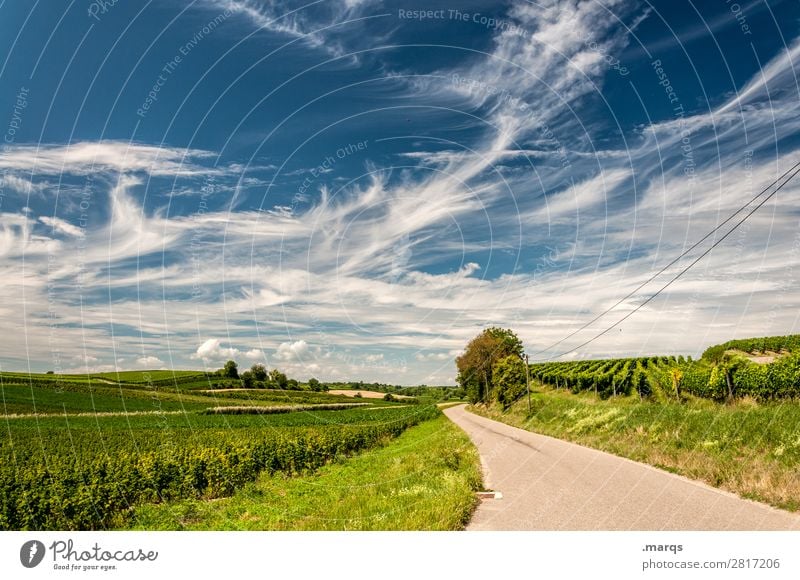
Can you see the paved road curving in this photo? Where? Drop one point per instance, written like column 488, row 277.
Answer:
column 549, row 484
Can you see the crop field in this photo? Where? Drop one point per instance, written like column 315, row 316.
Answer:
column 145, row 377
column 84, row 472
column 22, row 399
column 425, row 479
column 724, row 372
column 48, row 394
column 80, row 452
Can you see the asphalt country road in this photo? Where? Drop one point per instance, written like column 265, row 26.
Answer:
column 549, row 484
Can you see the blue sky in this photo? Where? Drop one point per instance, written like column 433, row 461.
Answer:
column 351, row 189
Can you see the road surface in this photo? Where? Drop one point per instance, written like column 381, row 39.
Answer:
column 549, row 484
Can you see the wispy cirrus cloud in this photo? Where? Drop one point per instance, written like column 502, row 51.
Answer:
column 314, row 24
column 62, row 226
column 85, row 158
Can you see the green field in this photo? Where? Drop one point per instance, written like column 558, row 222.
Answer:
column 84, row 472
column 49, row 394
column 148, row 376
column 22, row 399
column 424, row 480
column 81, row 451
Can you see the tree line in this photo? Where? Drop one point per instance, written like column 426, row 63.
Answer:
column 259, row 377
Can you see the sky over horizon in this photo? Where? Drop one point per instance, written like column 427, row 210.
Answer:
column 352, row 189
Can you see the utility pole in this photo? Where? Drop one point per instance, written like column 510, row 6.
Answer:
column 528, row 382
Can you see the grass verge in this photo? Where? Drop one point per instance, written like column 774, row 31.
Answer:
column 425, row 479
column 750, row 449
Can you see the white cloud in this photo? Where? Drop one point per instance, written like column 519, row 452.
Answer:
column 319, row 33
column 62, row 226
column 778, row 72
column 149, row 361
column 292, row 351
column 212, row 350
column 92, row 157
column 26, row 186
column 436, row 356
column 255, row 354
column 582, row 197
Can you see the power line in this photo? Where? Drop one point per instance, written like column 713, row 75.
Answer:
column 795, row 169
column 672, row 263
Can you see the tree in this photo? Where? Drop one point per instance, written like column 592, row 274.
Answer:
column 278, row 379
column 508, row 379
column 314, row 384
column 259, row 372
column 247, row 379
column 230, row 370
column 475, row 365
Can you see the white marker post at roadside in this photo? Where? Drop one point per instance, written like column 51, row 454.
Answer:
column 528, row 382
